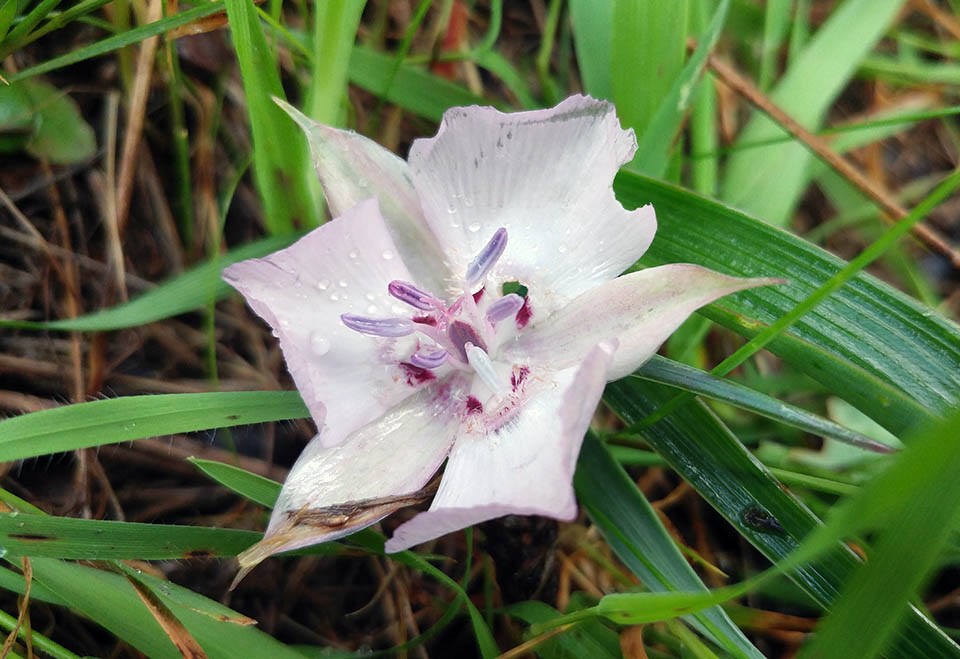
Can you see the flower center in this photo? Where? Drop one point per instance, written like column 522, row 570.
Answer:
column 459, row 334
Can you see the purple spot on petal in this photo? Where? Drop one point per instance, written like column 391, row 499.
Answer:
column 477, row 296
column 474, row 406
column 415, row 376
column 461, row 334
column 525, row 313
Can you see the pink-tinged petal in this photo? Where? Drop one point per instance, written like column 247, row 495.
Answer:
column 333, row 491
column 546, row 176
column 353, row 168
column 524, row 466
column 344, row 267
column 638, row 310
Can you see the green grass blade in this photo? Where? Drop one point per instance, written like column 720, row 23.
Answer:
column 590, row 639
column 665, row 371
column 110, row 600
column 918, row 499
column 126, row 38
column 251, row 486
column 870, row 344
column 188, row 291
column 806, row 91
column 636, row 534
column 276, row 165
column 87, row 539
column 137, row 417
column 592, row 31
column 411, row 88
column 662, row 131
column 716, row 464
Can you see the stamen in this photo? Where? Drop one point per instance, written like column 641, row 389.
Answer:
column 483, row 367
column 504, row 308
column 407, row 292
column 387, row 327
column 429, row 359
column 487, row 257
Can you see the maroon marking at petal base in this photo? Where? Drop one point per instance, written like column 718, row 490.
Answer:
column 461, row 334
column 478, row 295
column 425, row 320
column 474, row 406
column 415, row 375
column 519, row 376
column 525, row 313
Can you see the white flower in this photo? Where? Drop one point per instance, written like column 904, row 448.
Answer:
column 408, row 351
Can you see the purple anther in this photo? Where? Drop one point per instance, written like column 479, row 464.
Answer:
column 428, row 359
column 407, row 292
column 387, row 327
column 504, row 308
column 487, row 257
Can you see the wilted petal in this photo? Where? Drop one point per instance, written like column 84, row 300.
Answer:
column 546, row 176
column 524, row 467
column 341, row 268
column 334, row 491
column 639, row 310
column 353, row 168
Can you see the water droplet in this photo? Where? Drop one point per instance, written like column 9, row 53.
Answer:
column 468, row 202
column 370, row 296
column 372, row 308
column 452, row 208
column 562, row 249
column 334, row 297
column 387, row 254
column 342, row 283
column 473, row 228
column 3, row 552
column 353, row 254
column 319, row 344
column 323, row 284
column 397, row 310
column 284, row 322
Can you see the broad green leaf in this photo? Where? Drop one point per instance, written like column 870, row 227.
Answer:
column 635, row 533
column 893, row 358
column 64, row 537
column 136, row 417
column 61, row 135
column 767, row 182
column 188, row 291
column 706, row 454
column 276, row 164
column 110, row 600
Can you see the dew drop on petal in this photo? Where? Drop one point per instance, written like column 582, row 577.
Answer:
column 473, row 228
column 334, row 297
column 353, row 254
column 323, row 284
column 370, row 296
column 342, row 283
column 387, row 254
column 372, row 308
column 562, row 249
column 319, row 344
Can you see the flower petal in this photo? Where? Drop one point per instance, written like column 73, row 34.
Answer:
column 638, row 310
column 343, row 267
column 523, row 467
column 353, row 168
column 547, row 177
column 333, row 491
